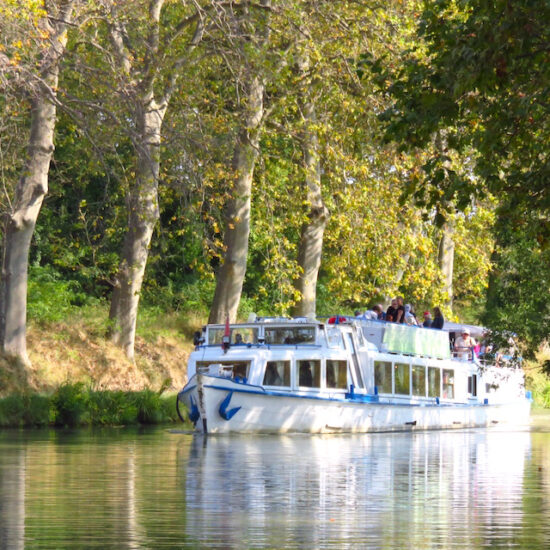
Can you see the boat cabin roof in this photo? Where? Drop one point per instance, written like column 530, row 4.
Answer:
column 379, row 335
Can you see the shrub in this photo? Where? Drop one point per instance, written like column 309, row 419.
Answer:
column 50, row 297
column 111, row 408
column 71, row 404
column 12, row 410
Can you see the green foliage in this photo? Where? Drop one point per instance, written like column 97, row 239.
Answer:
column 51, row 297
column 153, row 409
column 472, row 96
column 78, row 405
column 517, row 298
column 12, row 410
column 24, row 410
column 539, row 384
column 71, row 405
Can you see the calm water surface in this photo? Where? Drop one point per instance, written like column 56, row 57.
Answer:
column 163, row 489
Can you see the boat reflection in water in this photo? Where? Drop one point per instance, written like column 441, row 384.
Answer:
column 430, row 489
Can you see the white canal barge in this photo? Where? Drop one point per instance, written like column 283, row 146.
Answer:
column 303, row 375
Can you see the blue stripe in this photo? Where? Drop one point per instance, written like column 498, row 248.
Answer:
column 359, row 398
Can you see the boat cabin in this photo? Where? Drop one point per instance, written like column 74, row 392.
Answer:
column 358, row 359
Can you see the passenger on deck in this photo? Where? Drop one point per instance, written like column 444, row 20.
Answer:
column 427, row 320
column 400, row 314
column 391, row 311
column 464, row 345
column 373, row 313
column 438, row 321
column 410, row 319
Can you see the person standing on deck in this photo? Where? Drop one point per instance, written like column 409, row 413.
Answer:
column 438, row 321
column 427, row 320
column 464, row 345
column 400, row 314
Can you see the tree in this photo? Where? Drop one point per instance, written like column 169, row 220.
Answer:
column 251, row 35
column 480, row 73
column 147, row 72
column 20, row 219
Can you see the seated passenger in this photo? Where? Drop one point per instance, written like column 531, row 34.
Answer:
column 306, row 378
column 272, row 377
column 391, row 311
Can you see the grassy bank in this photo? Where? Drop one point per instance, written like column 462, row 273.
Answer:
column 76, row 350
column 77, row 377
column 78, row 405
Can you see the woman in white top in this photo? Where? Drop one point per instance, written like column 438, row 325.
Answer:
column 464, row 345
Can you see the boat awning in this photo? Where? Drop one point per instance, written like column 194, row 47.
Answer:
column 475, row 330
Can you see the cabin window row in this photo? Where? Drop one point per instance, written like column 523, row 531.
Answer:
column 310, row 373
column 415, row 380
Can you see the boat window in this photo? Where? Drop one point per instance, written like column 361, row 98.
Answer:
column 419, row 380
column 309, row 373
column 290, row 335
column 277, row 373
column 225, row 368
column 472, row 385
column 448, row 384
column 434, row 381
column 238, row 335
column 334, row 337
column 337, row 374
column 382, row 376
column 402, row 379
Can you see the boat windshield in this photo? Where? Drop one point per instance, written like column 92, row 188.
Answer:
column 290, row 335
column 238, row 335
column 230, row 369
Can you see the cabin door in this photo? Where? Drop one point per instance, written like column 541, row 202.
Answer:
column 355, row 367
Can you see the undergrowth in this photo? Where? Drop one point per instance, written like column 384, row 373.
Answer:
column 79, row 405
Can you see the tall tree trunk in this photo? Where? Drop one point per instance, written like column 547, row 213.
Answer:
column 30, row 191
column 142, row 217
column 312, row 232
column 446, row 259
column 231, row 274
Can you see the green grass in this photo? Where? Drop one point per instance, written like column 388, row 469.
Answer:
column 79, row 405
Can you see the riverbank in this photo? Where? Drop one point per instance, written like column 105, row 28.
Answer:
column 77, row 351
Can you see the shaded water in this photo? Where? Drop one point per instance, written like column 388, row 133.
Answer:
column 163, row 489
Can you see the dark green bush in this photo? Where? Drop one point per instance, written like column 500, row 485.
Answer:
column 111, row 408
column 77, row 405
column 38, row 410
column 12, row 410
column 71, row 405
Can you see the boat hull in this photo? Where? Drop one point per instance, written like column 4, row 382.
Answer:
column 219, row 405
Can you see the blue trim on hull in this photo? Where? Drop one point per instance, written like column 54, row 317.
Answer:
column 358, row 398
column 228, row 414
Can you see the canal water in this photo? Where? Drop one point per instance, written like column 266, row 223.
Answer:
column 162, row 488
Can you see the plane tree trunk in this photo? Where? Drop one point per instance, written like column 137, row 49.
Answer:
column 231, row 274
column 32, row 187
column 446, row 258
column 313, row 229
column 150, row 91
column 143, row 215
